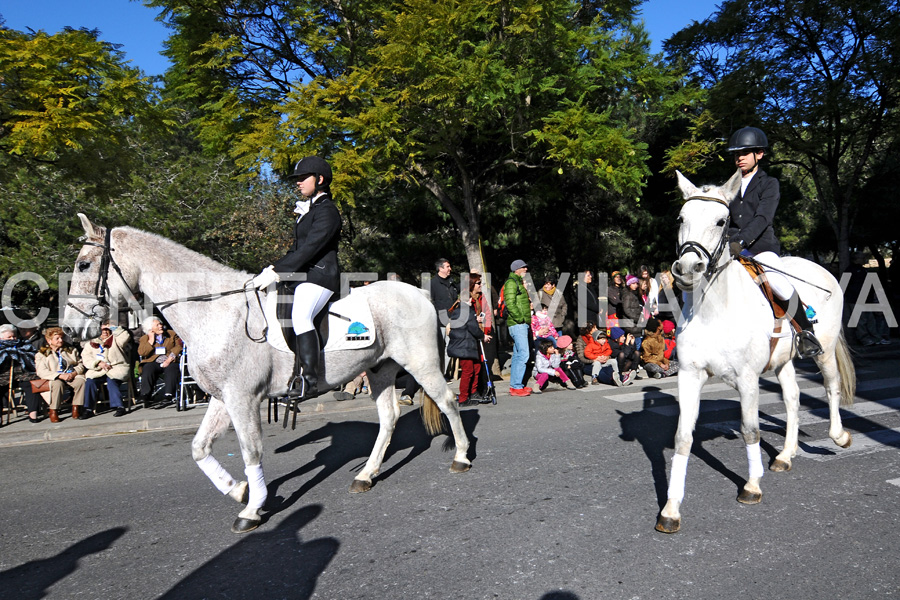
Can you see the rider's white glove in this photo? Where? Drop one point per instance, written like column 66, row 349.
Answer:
column 266, row 278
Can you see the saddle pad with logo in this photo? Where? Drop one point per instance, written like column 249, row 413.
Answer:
column 349, row 325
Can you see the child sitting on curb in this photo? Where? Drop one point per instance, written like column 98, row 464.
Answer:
column 570, row 363
column 653, row 352
column 624, row 353
column 546, row 366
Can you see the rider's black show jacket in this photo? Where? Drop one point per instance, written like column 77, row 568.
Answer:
column 315, row 247
column 753, row 213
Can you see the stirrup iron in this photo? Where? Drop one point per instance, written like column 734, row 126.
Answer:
column 807, row 345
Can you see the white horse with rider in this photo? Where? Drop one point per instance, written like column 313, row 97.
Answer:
column 231, row 360
column 727, row 329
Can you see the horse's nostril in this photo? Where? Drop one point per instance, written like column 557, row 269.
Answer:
column 699, row 267
column 677, row 268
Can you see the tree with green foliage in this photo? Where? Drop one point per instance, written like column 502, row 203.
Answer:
column 820, row 79
column 477, row 103
column 80, row 131
column 68, row 106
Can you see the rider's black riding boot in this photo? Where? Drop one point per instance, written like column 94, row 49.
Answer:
column 306, row 362
column 807, row 344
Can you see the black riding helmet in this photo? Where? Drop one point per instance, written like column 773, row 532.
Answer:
column 747, row 138
column 312, row 165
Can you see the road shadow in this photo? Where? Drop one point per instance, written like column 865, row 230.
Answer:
column 353, row 441
column 33, row 579
column 263, row 564
column 654, row 426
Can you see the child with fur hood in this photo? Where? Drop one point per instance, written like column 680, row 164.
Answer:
column 653, row 350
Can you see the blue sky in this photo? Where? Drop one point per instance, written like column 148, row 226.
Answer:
column 134, row 26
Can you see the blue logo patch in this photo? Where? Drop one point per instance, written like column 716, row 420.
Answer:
column 357, row 332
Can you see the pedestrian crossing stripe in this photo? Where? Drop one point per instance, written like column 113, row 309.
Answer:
column 765, row 396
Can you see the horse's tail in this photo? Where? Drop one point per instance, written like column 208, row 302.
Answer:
column 846, row 371
column 431, row 416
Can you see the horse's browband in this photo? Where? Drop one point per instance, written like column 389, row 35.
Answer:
column 709, row 199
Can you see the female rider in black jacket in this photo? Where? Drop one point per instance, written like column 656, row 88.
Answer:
column 309, row 271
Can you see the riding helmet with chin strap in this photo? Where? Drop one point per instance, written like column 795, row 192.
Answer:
column 748, row 138
column 312, row 165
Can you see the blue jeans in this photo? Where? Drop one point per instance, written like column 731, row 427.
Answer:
column 519, row 360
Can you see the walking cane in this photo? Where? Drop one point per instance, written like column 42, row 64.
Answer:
column 9, row 399
column 487, row 371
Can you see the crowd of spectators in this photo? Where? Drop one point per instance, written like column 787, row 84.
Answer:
column 48, row 371
column 487, row 333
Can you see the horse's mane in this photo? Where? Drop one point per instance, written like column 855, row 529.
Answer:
column 198, row 260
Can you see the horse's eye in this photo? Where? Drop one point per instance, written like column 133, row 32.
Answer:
column 720, row 223
column 83, row 265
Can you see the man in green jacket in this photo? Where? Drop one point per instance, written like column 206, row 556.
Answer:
column 518, row 320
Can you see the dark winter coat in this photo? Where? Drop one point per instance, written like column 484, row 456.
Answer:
column 629, row 350
column 315, row 247
column 614, row 301
column 753, row 214
column 444, row 294
column 464, row 335
column 631, row 309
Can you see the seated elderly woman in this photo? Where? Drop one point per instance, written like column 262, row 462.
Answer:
column 159, row 350
column 60, row 364
column 17, row 368
column 106, row 361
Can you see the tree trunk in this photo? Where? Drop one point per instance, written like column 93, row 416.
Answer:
column 843, row 236
column 466, row 220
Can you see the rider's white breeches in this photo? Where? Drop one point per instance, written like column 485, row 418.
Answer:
column 309, row 300
column 781, row 285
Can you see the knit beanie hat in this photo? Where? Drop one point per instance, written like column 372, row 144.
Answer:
column 616, row 332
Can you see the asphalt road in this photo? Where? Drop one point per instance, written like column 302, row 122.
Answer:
column 560, row 505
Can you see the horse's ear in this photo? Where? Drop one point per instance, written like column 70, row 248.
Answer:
column 732, row 187
column 687, row 188
column 91, row 231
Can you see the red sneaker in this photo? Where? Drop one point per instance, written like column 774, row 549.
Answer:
column 519, row 391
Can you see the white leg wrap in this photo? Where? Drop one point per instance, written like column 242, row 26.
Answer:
column 257, row 484
column 754, row 460
column 217, row 474
column 677, row 477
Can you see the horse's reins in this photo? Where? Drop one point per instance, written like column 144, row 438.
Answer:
column 713, row 268
column 785, row 273
column 101, row 291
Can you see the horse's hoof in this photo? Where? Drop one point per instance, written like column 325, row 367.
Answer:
column 359, row 486
column 746, row 497
column 242, row 525
column 780, row 466
column 667, row 524
column 847, row 443
column 460, row 467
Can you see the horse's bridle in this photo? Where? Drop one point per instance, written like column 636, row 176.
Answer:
column 712, row 258
column 100, row 309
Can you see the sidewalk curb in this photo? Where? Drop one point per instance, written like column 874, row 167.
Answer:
column 22, row 432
